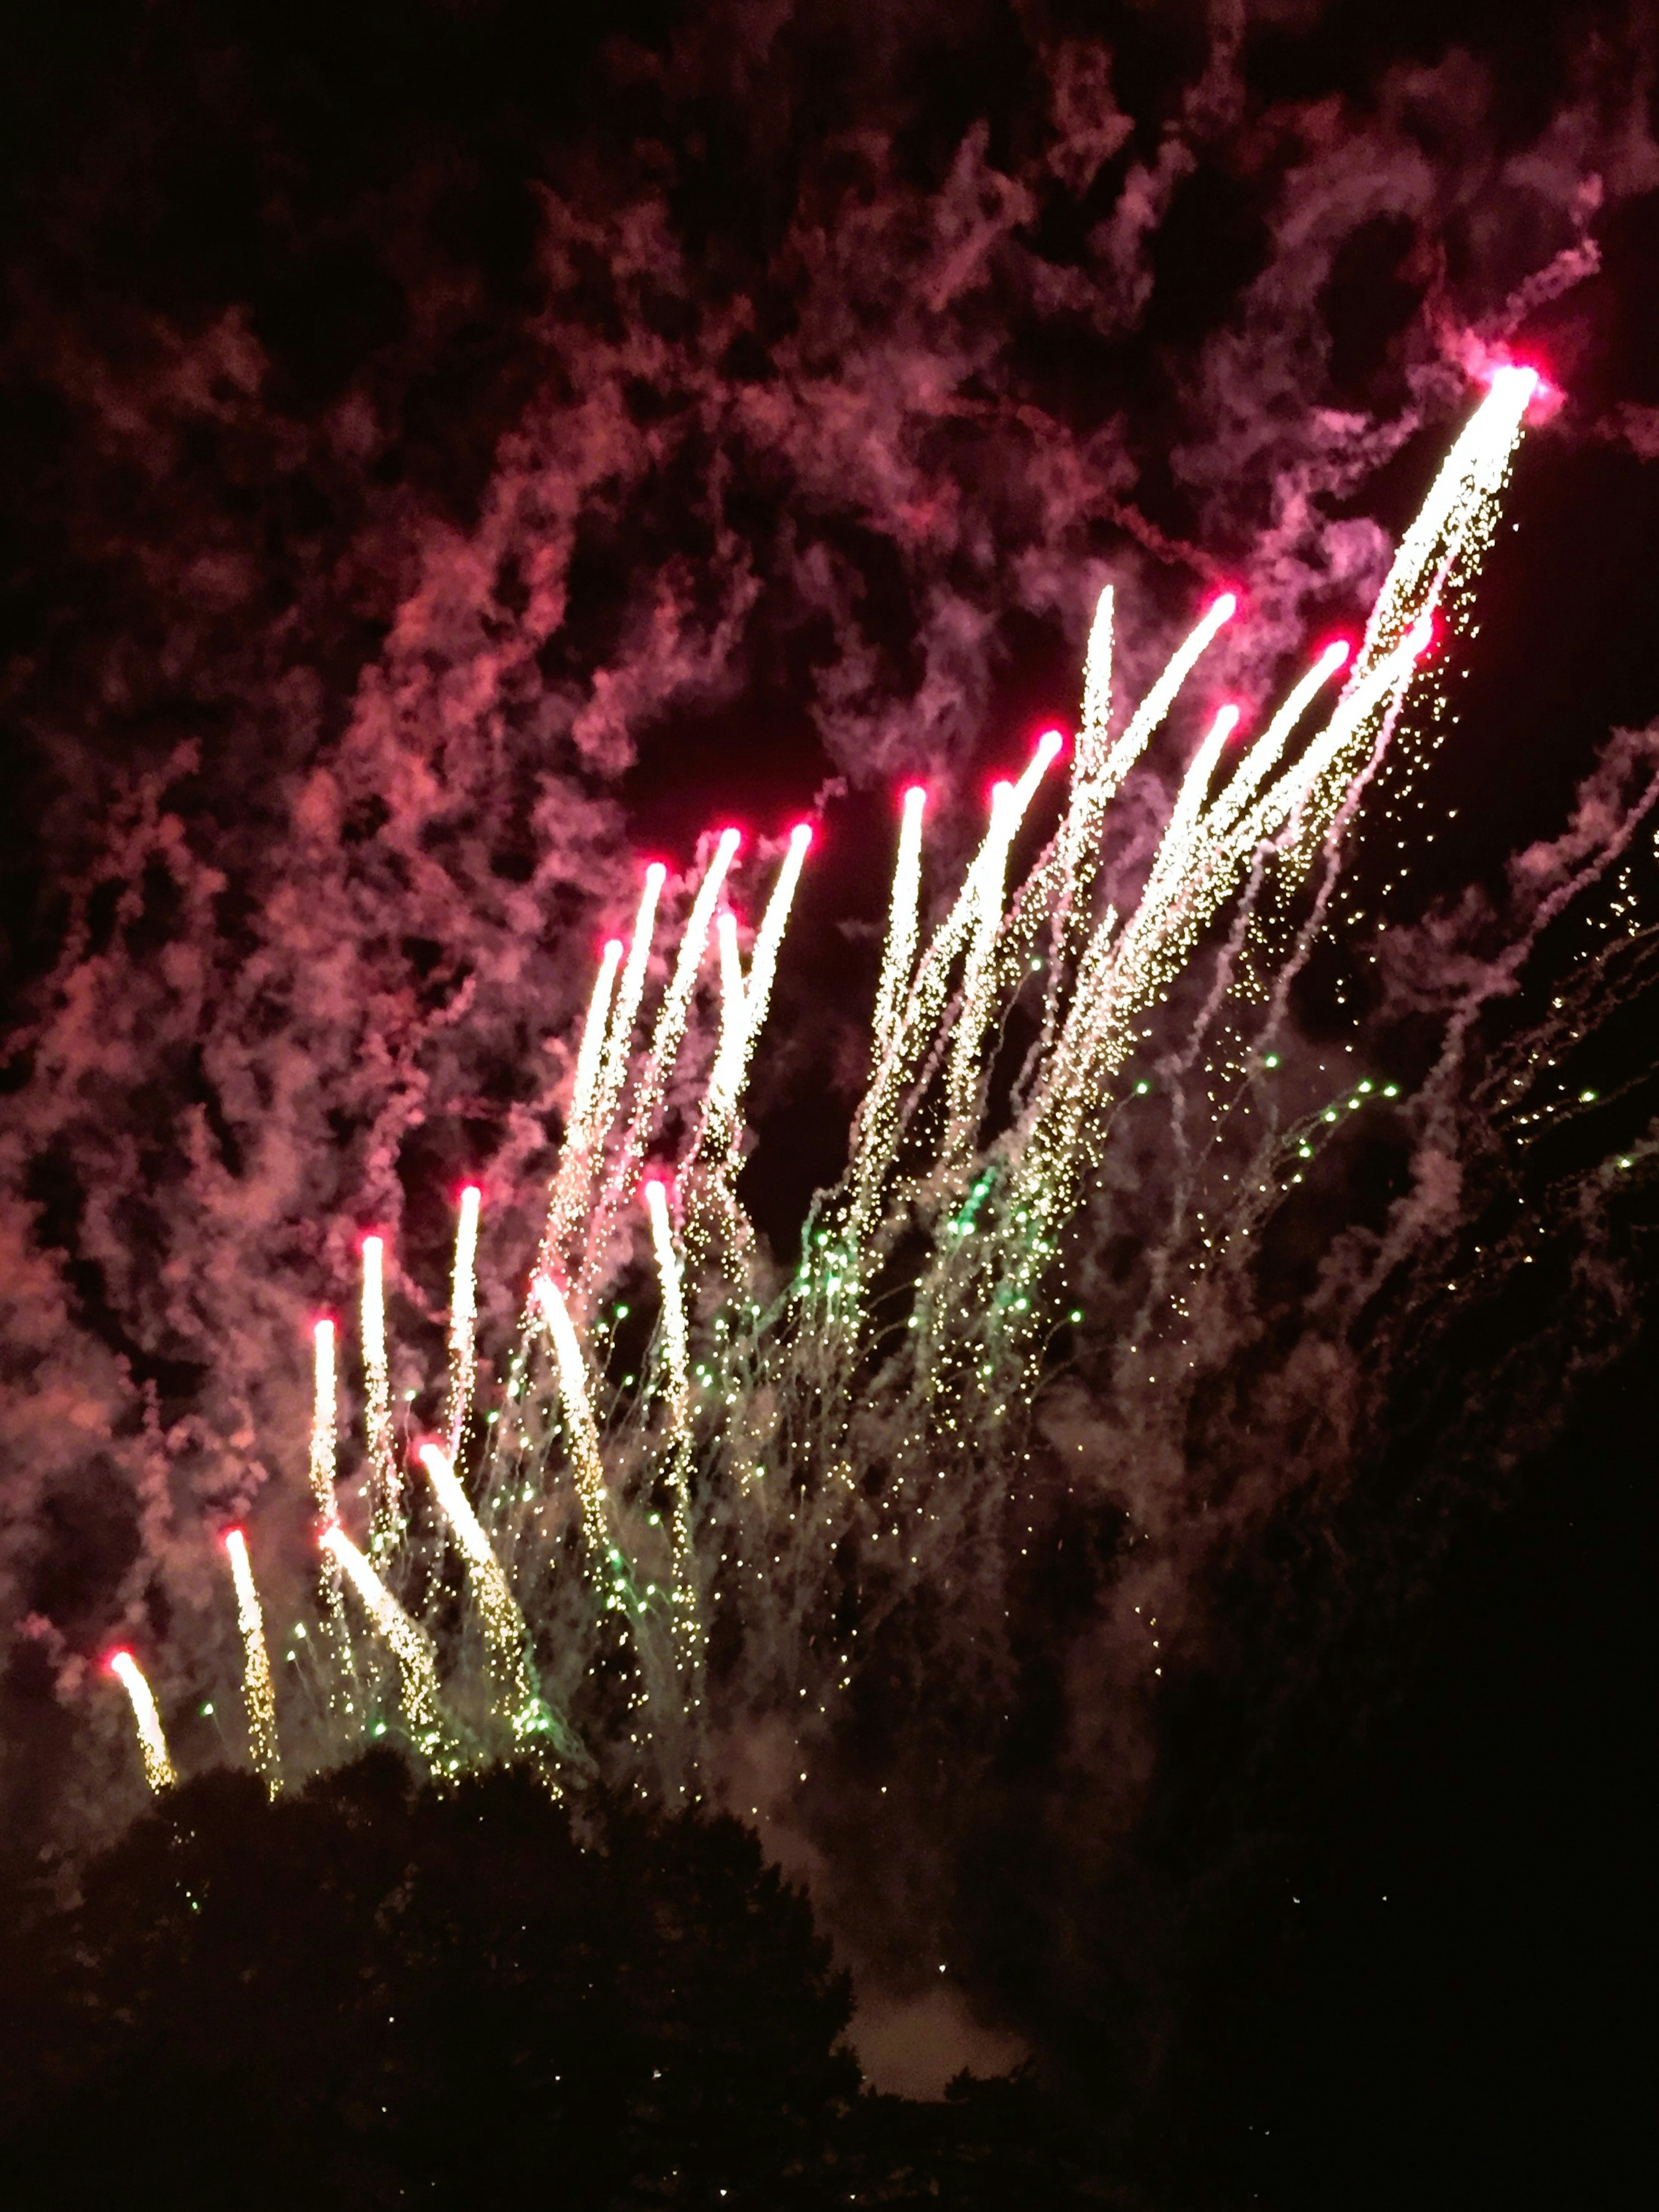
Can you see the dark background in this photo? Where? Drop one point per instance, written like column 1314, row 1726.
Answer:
column 280, row 295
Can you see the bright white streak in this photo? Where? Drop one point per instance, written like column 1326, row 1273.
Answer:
column 323, row 1418
column 1175, row 851
column 385, row 1483
column 962, row 1081
column 152, row 1743
column 665, row 1041
column 591, row 1053
column 498, row 1609
column 463, row 1317
column 678, row 1345
column 258, row 1694
column 1470, row 473
column 417, row 1667
column 1263, row 755
column 899, row 957
column 587, row 1464
column 875, row 1132
column 598, row 1085
column 731, row 1064
column 619, row 1034
column 1149, row 715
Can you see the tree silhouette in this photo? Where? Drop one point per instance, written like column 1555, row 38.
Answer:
column 372, row 1992
column 376, row 1993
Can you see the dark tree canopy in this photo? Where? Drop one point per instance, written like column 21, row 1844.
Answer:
column 375, row 1994
column 372, row 1993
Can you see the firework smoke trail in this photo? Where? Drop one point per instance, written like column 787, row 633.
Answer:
column 258, row 1695
column 152, row 1743
column 910, row 1341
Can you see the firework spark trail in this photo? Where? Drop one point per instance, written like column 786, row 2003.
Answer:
column 1263, row 756
column 508, row 1639
column 666, row 1038
column 462, row 1318
column 805, row 1398
column 259, row 1695
column 619, row 1032
column 417, row 1666
column 731, row 1062
column 1177, row 849
column 590, row 1053
column 1119, row 981
column 587, row 1464
column 601, row 1073
column 323, row 1418
column 152, row 1743
column 963, row 1075
column 715, row 1223
column 1468, row 476
column 1149, row 716
column 1115, row 987
column 899, row 957
column 879, row 1125
column 325, row 1446
column 688, row 1620
column 385, row 1480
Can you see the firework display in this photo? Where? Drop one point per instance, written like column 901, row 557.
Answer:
column 635, row 1537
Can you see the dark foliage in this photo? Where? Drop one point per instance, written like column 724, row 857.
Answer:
column 371, row 1993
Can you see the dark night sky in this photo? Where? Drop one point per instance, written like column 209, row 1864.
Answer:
column 450, row 451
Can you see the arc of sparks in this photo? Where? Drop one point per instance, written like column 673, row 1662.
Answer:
column 498, row 1609
column 418, row 1665
column 152, row 1742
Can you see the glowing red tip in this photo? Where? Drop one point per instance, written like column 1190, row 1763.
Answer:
column 322, row 1326
column 471, row 1194
column 801, row 835
column 657, row 874
column 1337, row 654
column 916, row 796
column 117, row 1660
column 1227, row 722
column 1224, row 608
column 654, row 1187
column 233, row 1536
column 731, row 837
column 371, row 1241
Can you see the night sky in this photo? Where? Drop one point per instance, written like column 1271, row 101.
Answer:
column 453, row 453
